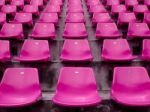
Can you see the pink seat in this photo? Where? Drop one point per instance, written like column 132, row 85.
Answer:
column 92, row 2
column 116, row 9
column 147, row 2
column 53, row 9
column 31, row 9
column 4, row 50
column 11, row 31
column 109, row 3
column 79, row 30
column 75, row 18
column 138, row 9
column 146, row 50
column 101, row 18
column 138, row 30
column 2, row 18
column 2, row 2
column 19, row 87
column 34, row 50
column 79, row 50
column 43, row 31
column 38, row 3
column 116, row 50
column 74, row 2
column 49, row 18
column 131, row 3
column 131, row 86
column 76, row 87
column 56, row 2
column 75, row 8
column 146, row 17
column 9, row 9
column 126, row 18
column 18, row 3
column 23, row 18
column 107, row 30
column 97, row 8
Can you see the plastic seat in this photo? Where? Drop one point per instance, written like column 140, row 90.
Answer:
column 18, row 3
column 79, row 50
column 79, row 30
column 116, row 50
column 23, row 18
column 4, row 50
column 2, row 18
column 146, row 50
column 92, row 2
column 38, row 3
column 116, row 9
column 11, row 31
column 101, row 18
column 75, row 18
column 43, row 31
column 97, row 8
column 146, row 17
column 19, row 87
column 49, row 18
column 138, row 30
column 53, row 9
column 75, row 8
column 131, row 3
column 147, row 2
column 109, row 3
column 9, row 9
column 2, row 2
column 80, row 87
column 34, row 50
column 31, row 9
column 107, row 30
column 138, row 9
column 131, row 86
column 126, row 18
column 56, row 2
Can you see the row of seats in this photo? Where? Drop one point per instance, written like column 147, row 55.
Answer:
column 76, row 86
column 112, row 50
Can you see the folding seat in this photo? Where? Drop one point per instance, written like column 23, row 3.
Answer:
column 116, row 50
column 23, row 18
column 34, row 50
column 75, row 8
column 130, row 86
column 131, row 3
column 43, row 31
column 31, row 9
column 146, row 17
column 140, row 9
column 20, row 87
column 126, row 18
column 2, row 18
column 138, row 30
column 109, row 3
column 76, row 2
column 147, row 2
column 75, row 30
column 11, row 31
column 9, row 9
column 116, row 9
column 76, row 87
column 75, row 18
column 53, row 9
column 18, row 3
column 2, row 2
column 38, row 3
column 101, row 18
column 97, row 8
column 4, row 50
column 79, row 50
column 92, row 2
column 107, row 30
column 56, row 2
column 49, row 18
column 146, row 50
